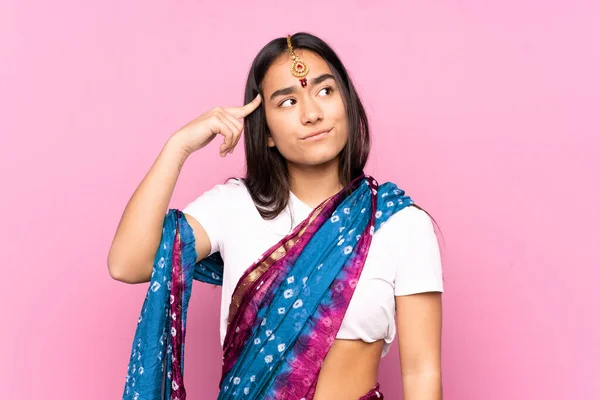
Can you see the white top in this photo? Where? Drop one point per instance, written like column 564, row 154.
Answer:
column 403, row 259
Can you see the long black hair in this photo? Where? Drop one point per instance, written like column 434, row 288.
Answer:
column 266, row 169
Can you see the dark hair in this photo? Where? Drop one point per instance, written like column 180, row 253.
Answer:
column 266, row 169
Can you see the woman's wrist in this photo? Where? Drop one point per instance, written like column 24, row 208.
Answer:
column 175, row 146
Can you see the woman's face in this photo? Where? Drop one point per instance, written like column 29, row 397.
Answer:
column 297, row 115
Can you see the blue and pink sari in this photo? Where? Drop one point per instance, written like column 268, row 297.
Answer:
column 285, row 311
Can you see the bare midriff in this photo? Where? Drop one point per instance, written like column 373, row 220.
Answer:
column 349, row 370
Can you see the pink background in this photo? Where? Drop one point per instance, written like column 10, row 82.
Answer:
column 485, row 112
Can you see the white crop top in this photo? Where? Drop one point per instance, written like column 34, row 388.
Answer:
column 403, row 259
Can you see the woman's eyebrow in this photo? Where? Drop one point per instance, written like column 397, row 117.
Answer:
column 292, row 89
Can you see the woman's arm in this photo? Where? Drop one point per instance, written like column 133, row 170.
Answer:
column 138, row 235
column 419, row 319
column 139, row 231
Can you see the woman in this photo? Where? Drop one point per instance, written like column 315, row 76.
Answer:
column 312, row 279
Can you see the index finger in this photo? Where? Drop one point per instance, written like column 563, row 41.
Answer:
column 241, row 112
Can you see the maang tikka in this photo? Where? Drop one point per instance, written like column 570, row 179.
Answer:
column 299, row 68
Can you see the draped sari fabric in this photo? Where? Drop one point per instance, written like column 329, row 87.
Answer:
column 285, row 311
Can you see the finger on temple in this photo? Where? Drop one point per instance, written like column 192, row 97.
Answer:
column 241, row 112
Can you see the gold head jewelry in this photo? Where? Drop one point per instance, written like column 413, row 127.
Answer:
column 299, row 68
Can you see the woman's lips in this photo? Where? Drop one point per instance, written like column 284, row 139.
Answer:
column 317, row 135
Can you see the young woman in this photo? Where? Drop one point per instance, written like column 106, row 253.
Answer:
column 320, row 265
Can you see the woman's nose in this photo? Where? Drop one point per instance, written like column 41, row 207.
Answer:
column 311, row 113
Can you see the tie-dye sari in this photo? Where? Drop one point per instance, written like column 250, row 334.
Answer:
column 285, row 311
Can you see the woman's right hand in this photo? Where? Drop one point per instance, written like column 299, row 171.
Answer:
column 218, row 121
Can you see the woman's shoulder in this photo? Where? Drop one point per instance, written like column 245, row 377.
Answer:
column 413, row 215
column 409, row 222
column 232, row 187
column 408, row 217
column 221, row 194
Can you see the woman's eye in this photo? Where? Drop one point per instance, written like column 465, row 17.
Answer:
column 283, row 103
column 328, row 88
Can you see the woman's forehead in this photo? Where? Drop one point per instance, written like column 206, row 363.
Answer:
column 279, row 75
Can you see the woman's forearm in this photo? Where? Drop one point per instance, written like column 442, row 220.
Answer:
column 422, row 386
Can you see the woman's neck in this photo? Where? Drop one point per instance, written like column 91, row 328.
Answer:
column 313, row 184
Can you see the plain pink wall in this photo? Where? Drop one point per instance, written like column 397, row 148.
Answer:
column 485, row 112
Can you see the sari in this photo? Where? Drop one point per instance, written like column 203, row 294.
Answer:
column 285, row 311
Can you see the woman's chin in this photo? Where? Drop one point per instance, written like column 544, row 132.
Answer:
column 316, row 160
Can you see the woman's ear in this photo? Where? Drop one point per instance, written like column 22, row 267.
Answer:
column 270, row 141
